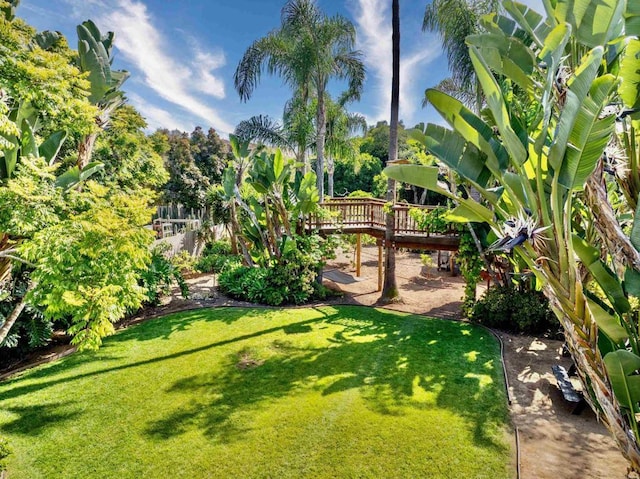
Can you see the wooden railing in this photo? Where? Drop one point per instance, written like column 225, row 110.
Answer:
column 363, row 213
column 350, row 212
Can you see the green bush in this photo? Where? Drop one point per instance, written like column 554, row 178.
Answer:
column 289, row 280
column 216, row 257
column 158, row 277
column 515, row 310
column 5, row 451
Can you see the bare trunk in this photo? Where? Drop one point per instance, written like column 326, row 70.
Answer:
column 15, row 314
column 330, row 171
column 390, row 287
column 616, row 242
column 85, row 150
column 321, row 123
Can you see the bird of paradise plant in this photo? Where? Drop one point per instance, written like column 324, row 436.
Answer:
column 554, row 88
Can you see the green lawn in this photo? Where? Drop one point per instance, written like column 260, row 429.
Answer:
column 328, row 392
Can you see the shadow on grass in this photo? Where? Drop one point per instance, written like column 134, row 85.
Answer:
column 32, row 420
column 142, row 332
column 396, row 363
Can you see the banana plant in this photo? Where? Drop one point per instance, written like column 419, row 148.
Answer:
column 94, row 58
column 537, row 155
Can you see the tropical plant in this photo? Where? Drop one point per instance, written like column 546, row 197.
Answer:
column 340, row 126
column 552, row 87
column 455, row 20
column 280, row 201
column 307, row 51
column 94, row 58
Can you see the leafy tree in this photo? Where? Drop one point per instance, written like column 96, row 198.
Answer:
column 210, row 153
column 307, row 51
column 187, row 185
column 577, row 71
column 128, row 154
column 377, row 139
column 356, row 173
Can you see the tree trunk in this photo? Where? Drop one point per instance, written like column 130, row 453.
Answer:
column 321, row 124
column 330, row 171
column 390, row 287
column 15, row 314
column 85, row 150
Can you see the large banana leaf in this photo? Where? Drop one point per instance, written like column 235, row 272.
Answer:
column 495, row 100
column 632, row 18
column 576, row 94
column 530, row 20
column 427, row 177
column 594, row 23
column 622, row 367
column 456, row 153
column 50, row 148
column 608, row 323
column 506, row 56
column 630, row 74
column 471, row 127
column 589, row 135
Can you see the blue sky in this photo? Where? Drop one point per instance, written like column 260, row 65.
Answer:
column 182, row 55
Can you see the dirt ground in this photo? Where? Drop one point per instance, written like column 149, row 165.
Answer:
column 553, row 443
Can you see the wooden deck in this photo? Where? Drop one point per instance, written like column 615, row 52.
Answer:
column 367, row 216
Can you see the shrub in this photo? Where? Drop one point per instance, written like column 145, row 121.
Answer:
column 289, row 280
column 515, row 310
column 216, row 257
column 5, row 451
column 158, row 277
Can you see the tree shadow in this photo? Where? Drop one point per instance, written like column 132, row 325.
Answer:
column 153, row 329
column 396, row 363
column 32, row 420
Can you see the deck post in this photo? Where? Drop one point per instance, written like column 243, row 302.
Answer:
column 379, row 265
column 358, row 253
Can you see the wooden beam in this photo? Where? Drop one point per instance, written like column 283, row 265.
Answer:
column 358, row 253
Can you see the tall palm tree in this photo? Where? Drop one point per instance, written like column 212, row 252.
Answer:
column 307, row 51
column 341, row 124
column 454, row 20
column 296, row 134
column 390, row 287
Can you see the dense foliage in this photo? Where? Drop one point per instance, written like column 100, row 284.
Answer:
column 291, row 279
column 515, row 309
column 194, row 161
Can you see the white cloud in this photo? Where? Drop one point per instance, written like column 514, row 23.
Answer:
column 158, row 117
column 373, row 23
column 144, row 46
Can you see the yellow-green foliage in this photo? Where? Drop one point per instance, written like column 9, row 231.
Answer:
column 87, row 248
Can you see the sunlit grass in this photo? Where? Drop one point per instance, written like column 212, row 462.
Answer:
column 250, row 393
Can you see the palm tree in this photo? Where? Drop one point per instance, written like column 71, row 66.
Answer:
column 296, row 134
column 454, row 20
column 390, row 286
column 341, row 124
column 307, row 51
